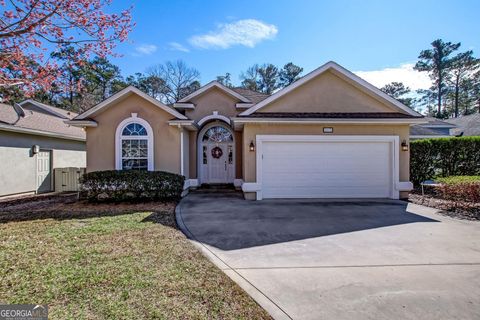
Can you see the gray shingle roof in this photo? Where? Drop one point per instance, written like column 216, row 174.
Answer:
column 39, row 121
column 253, row 96
column 469, row 125
column 418, row 130
column 53, row 110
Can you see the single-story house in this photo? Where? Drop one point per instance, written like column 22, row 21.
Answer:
column 34, row 140
column 433, row 128
column 330, row 134
column 466, row 125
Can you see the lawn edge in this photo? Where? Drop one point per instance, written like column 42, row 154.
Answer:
column 258, row 296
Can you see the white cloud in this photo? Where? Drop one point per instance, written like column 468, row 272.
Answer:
column 404, row 73
column 178, row 47
column 145, row 49
column 246, row 32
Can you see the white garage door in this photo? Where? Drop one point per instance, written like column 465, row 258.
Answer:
column 338, row 169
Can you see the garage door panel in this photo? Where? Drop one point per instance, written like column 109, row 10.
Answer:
column 326, row 169
column 330, row 192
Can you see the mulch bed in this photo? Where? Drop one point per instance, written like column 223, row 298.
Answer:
column 459, row 210
column 67, row 206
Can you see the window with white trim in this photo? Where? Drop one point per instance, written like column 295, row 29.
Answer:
column 134, row 143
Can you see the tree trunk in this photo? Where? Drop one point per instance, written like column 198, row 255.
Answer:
column 439, row 98
column 457, row 91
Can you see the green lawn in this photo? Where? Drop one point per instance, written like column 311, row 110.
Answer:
column 112, row 262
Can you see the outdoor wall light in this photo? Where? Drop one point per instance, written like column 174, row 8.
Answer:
column 404, row 145
column 35, row 149
column 252, row 146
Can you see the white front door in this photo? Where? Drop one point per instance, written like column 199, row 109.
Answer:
column 217, row 156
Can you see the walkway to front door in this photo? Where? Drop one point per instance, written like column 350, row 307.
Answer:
column 217, row 155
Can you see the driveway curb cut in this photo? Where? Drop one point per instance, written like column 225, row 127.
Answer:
column 259, row 297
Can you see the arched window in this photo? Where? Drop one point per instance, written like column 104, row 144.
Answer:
column 217, row 134
column 134, row 145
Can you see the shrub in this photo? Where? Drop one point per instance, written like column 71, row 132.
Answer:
column 459, row 179
column 131, row 185
column 443, row 157
column 459, row 188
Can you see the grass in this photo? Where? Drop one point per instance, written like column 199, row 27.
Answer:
column 459, row 179
column 112, row 262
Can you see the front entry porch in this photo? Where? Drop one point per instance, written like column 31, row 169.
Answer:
column 216, row 154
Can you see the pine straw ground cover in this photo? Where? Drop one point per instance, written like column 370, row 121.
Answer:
column 125, row 261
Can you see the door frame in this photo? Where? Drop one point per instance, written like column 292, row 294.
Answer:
column 392, row 140
column 52, row 181
column 200, row 146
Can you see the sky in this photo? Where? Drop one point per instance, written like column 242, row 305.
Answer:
column 378, row 40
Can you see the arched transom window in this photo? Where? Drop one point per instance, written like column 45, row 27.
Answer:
column 134, row 145
column 217, row 135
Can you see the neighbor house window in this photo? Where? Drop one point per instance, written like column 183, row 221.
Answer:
column 134, row 145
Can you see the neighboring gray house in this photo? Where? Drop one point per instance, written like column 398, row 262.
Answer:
column 434, row 128
column 33, row 141
column 466, row 125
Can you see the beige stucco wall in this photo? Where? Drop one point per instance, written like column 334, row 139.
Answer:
column 212, row 100
column 18, row 165
column 250, row 132
column 326, row 93
column 205, row 104
column 101, row 140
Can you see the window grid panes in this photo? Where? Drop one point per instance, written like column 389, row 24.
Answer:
column 217, row 134
column 134, row 147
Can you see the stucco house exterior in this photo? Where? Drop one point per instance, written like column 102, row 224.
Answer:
column 328, row 135
column 34, row 140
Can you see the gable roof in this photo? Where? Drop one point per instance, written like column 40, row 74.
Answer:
column 38, row 123
column 419, row 130
column 215, row 84
column 344, row 73
column 469, row 125
column 127, row 91
column 62, row 113
column 437, row 123
column 253, row 96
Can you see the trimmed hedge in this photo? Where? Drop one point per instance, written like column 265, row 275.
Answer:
column 131, row 185
column 443, row 157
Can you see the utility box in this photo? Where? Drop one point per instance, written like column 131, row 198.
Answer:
column 67, row 179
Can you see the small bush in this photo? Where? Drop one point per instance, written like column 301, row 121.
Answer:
column 131, row 185
column 459, row 188
column 443, row 157
column 458, row 179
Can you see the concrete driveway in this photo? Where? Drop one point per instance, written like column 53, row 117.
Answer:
column 319, row 259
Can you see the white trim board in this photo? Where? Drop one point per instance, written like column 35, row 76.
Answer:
column 214, row 116
column 129, row 90
column 330, row 120
column 211, row 85
column 393, row 140
column 346, row 75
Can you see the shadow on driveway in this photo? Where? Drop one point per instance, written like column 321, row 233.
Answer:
column 228, row 222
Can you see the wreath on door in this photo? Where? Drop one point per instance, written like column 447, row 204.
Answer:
column 217, row 152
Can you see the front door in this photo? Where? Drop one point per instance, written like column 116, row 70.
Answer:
column 217, row 158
